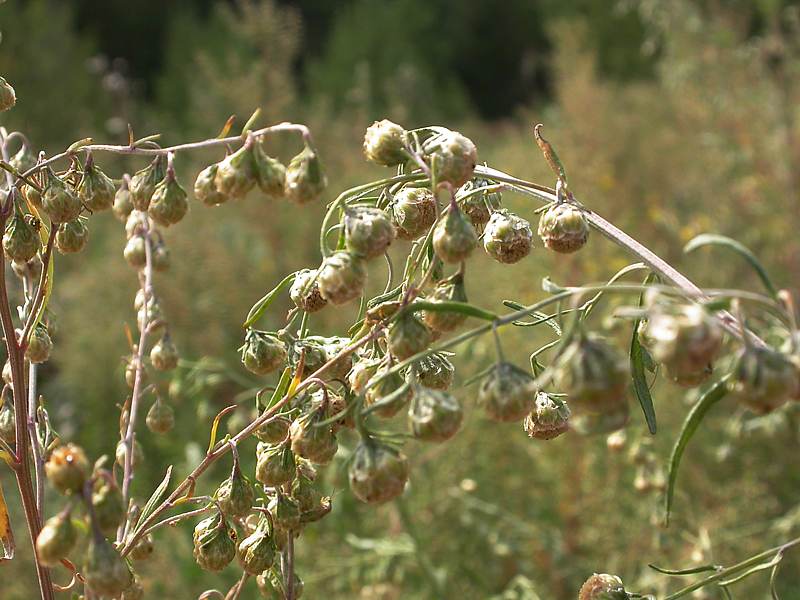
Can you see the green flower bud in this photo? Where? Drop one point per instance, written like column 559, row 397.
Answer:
column 305, row 179
column 153, row 316
column 56, row 539
column 478, row 207
column 20, row 240
column 275, row 465
column 305, row 291
column 391, row 393
column 135, row 223
column 447, row 290
column 270, row 173
column 454, row 238
column 96, row 190
column 338, row 406
column 434, row 416
column 341, row 277
column 508, row 238
column 606, row 422
column 435, row 371
column 123, row 205
column 168, row 204
column 236, row 494
column 270, row 585
column 160, row 257
column 236, row 173
column 285, row 512
column 453, row 156
column 507, row 393
column 262, row 352
column 135, row 252
column 362, row 372
column 408, row 336
column 314, row 352
column 144, row 182
column 413, row 212
column 273, row 431
column 593, row 374
column 205, row 187
column 311, row 441
column 164, row 355
column 214, row 543
column 143, row 549
column 256, row 552
column 109, row 511
column 377, row 472
column 8, row 430
column 121, row 451
column 602, row 587
column 368, row 232
column 563, row 228
column 763, row 379
column 385, row 142
column 23, row 160
column 160, row 418
column 8, row 97
column 547, row 419
column 105, row 571
column 304, row 494
column 72, row 236
column 39, row 345
column 32, row 195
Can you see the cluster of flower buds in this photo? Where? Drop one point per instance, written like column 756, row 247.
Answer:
column 603, row 587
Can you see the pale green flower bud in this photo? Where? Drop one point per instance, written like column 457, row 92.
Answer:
column 105, row 571
column 454, row 237
column 144, row 182
column 67, row 469
column 72, row 236
column 453, row 156
column 408, row 336
column 8, row 97
column 56, row 539
column 413, row 212
column 205, row 187
column 377, row 472
column 447, row 290
column 368, row 232
column 507, row 393
column 508, row 238
column 214, row 543
column 262, row 352
column 20, row 240
column 168, row 204
column 434, row 416
column 305, row 179
column 341, row 277
column 384, row 143
column 96, row 190
column 563, row 228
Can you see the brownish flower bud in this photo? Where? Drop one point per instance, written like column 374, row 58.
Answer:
column 305, row 179
column 143, row 548
column 274, row 431
column 8, row 431
column 453, row 157
column 377, row 472
column 275, row 465
column 72, row 236
column 413, row 212
column 160, row 418
column 508, row 238
column 548, row 419
column 602, row 587
column 434, row 416
column 368, row 231
column 262, row 352
column 435, row 371
column 312, row 441
column 563, row 228
column 408, row 336
column 391, row 394
column 763, row 379
column 507, row 393
column 214, row 543
column 447, row 290
column 270, row 173
column 96, row 190
column 67, row 468
column 123, row 205
column 256, row 552
column 8, row 98
column 164, row 355
column 478, row 205
column 305, row 291
column 205, row 187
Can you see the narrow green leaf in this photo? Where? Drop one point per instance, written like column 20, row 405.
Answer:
column 713, row 239
column 158, row 494
column 774, row 562
column 713, row 395
column 282, row 388
column 689, row 571
column 75, row 146
column 541, row 318
column 463, row 308
column 262, row 305
column 251, row 121
column 640, row 360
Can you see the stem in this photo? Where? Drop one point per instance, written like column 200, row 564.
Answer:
column 33, row 432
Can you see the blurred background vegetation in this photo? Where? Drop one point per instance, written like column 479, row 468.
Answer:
column 673, row 118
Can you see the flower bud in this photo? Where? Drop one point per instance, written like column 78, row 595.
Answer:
column 391, row 394
column 602, row 587
column 478, row 206
column 547, row 419
column 447, row 290
column 96, row 190
column 108, row 509
column 435, row 371
column 763, row 379
column 8, row 430
column 8, row 98
column 305, row 291
column 270, row 585
column 434, row 416
column 20, row 240
column 123, row 205
column 377, row 472
column 143, row 549
column 305, row 179
column 508, row 238
column 256, row 552
column 593, row 374
column 214, row 543
column 164, row 355
column 275, row 465
column 563, row 228
column 153, row 317
column 33, row 196
column 262, row 352
column 72, row 236
column 135, row 252
column 144, row 182
column 160, row 257
column 31, row 268
column 236, row 494
column 314, row 352
column 684, row 339
column 413, row 212
column 270, row 173
column 56, row 539
column 362, row 372
column 160, row 418
column 341, row 277
column 507, row 393
column 613, row 419
column 273, row 431
column 285, row 512
column 105, row 571
column 304, row 494
column 205, row 187
column 368, row 231
column 39, row 345
column 453, row 156
column 408, row 336
column 312, row 441
column 454, row 237
column 385, row 142
column 121, row 451
column 168, row 204
column 338, row 407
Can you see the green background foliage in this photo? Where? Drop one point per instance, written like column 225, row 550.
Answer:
column 673, row 118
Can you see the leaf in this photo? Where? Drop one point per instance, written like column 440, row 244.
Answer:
column 7, row 546
column 251, row 121
column 215, row 426
column 639, row 361
column 75, row 146
column 262, row 305
column 462, row 308
column 282, row 388
column 550, row 320
column 226, row 129
column 689, row 571
column 713, row 239
column 713, row 395
column 155, row 498
column 550, row 287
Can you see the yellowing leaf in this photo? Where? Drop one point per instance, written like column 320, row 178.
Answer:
column 6, row 535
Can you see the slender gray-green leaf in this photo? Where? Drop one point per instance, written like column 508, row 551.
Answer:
column 698, row 412
column 689, row 571
column 263, row 304
column 713, row 239
column 462, row 308
column 157, row 496
column 540, row 317
column 640, row 360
